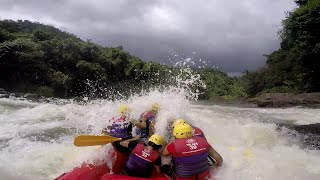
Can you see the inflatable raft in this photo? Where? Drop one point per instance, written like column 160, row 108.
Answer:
column 101, row 172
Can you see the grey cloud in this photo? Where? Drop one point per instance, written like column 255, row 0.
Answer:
column 232, row 35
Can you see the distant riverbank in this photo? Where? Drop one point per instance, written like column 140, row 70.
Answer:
column 273, row 100
column 276, row 100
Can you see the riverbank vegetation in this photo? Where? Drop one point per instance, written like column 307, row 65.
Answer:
column 295, row 67
column 44, row 60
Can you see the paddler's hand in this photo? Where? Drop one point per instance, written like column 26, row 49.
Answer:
column 134, row 122
column 105, row 131
column 161, row 149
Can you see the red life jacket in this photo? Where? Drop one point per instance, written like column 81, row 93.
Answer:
column 198, row 132
column 190, row 157
column 141, row 161
column 149, row 116
column 119, row 119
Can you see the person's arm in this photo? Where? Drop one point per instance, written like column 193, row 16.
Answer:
column 213, row 153
column 133, row 139
column 105, row 132
column 142, row 124
column 168, row 150
column 151, row 126
column 157, row 168
column 157, row 164
column 129, row 142
column 165, row 152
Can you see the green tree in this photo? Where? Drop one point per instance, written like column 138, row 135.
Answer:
column 45, row 60
column 295, row 66
column 4, row 35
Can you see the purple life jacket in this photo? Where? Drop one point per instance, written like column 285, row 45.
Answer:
column 140, row 162
column 190, row 157
column 120, row 128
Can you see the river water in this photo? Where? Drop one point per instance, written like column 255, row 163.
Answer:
column 36, row 139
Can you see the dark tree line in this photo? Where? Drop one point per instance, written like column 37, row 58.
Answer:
column 295, row 67
column 43, row 59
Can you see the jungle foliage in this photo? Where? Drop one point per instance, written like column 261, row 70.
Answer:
column 42, row 59
column 295, row 67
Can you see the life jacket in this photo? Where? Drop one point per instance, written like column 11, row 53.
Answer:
column 120, row 128
column 198, row 132
column 190, row 158
column 141, row 161
column 149, row 116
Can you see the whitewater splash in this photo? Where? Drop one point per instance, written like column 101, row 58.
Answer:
column 37, row 139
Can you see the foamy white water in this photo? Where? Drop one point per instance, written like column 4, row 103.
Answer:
column 37, row 139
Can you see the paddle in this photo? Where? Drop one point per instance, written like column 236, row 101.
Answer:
column 92, row 140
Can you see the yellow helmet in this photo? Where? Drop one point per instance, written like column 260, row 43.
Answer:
column 123, row 109
column 182, row 131
column 155, row 107
column 157, row 139
column 178, row 121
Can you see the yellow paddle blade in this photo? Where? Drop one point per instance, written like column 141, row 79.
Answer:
column 91, row 140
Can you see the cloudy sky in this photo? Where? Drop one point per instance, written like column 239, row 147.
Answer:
column 231, row 35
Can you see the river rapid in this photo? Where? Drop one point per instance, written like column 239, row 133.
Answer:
column 36, row 139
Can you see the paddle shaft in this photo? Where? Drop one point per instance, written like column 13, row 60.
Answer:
column 91, row 140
